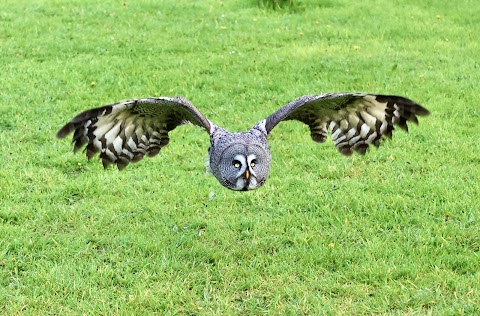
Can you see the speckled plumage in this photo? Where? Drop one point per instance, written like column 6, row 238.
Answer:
column 127, row 131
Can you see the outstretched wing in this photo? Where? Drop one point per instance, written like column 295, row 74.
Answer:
column 354, row 120
column 124, row 132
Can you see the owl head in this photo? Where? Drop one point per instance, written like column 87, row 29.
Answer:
column 241, row 165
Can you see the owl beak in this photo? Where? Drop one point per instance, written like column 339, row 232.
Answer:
column 247, row 174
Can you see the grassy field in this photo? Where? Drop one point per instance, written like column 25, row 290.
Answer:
column 393, row 232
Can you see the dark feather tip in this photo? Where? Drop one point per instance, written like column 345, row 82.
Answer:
column 420, row 110
column 65, row 130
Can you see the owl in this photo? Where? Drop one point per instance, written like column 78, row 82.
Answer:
column 127, row 131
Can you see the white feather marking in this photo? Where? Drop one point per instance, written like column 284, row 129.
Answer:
column 364, row 130
column 353, row 119
column 131, row 144
column 378, row 111
column 243, row 163
column 250, row 158
column 371, row 138
column 111, row 134
column 130, row 120
column 343, row 145
column 338, row 140
column 126, row 152
column 383, row 127
column 253, row 183
column 357, row 144
column 129, row 130
column 369, row 119
column 117, row 144
column 354, row 140
column 121, row 115
column 97, row 144
column 370, row 99
column 155, row 141
column 336, row 133
column 240, row 184
column 260, row 125
column 351, row 132
column 110, row 154
column 396, row 113
column 140, row 151
column 139, row 132
column 102, row 127
column 331, row 125
column 344, row 124
column 320, row 124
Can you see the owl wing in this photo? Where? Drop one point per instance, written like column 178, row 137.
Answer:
column 124, row 132
column 354, row 120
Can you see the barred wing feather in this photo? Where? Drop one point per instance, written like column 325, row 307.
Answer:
column 127, row 131
column 354, row 120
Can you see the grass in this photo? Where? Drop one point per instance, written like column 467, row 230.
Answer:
column 392, row 232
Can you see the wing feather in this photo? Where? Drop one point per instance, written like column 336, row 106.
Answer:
column 354, row 120
column 127, row 131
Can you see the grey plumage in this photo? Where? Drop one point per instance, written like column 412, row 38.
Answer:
column 127, row 131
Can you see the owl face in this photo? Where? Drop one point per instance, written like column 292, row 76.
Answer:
column 243, row 166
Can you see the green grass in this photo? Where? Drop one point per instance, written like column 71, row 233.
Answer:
column 392, row 232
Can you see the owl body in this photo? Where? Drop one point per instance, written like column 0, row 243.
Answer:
column 125, row 132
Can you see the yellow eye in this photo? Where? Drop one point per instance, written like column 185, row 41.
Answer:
column 236, row 164
column 252, row 164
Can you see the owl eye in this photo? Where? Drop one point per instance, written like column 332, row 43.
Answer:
column 253, row 163
column 236, row 164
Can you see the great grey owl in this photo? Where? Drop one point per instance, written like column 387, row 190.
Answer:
column 124, row 132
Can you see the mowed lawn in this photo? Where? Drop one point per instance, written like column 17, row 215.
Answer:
column 393, row 232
